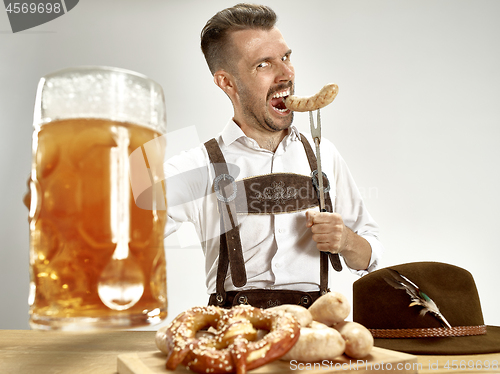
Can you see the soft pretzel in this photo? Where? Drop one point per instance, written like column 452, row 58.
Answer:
column 306, row 104
column 234, row 346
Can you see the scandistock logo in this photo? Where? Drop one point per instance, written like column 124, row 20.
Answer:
column 25, row 15
column 153, row 186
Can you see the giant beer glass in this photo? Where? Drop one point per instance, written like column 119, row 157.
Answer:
column 96, row 258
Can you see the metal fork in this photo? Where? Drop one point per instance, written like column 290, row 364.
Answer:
column 316, row 134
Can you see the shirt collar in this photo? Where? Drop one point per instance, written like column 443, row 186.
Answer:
column 232, row 132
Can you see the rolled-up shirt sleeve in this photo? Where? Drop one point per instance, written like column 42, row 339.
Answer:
column 350, row 205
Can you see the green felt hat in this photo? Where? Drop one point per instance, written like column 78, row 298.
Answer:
column 382, row 304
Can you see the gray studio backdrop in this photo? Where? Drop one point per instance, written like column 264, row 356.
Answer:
column 417, row 118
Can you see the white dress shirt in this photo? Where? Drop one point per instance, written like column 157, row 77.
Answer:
column 278, row 249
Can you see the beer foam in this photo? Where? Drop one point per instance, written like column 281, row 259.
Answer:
column 102, row 93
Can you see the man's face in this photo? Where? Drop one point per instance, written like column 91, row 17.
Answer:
column 264, row 75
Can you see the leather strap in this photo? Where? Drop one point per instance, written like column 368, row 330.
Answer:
column 230, row 244
column 429, row 332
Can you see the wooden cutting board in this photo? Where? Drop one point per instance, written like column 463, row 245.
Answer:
column 378, row 361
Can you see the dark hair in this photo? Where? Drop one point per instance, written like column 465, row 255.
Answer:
column 214, row 36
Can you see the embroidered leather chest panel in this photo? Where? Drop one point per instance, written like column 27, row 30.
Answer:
column 275, row 193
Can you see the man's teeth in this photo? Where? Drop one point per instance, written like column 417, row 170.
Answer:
column 278, row 95
column 281, row 94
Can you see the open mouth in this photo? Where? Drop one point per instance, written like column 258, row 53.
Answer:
column 278, row 101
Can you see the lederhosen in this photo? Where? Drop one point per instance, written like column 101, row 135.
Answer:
column 233, row 197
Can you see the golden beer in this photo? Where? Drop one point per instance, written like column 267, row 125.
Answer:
column 96, row 259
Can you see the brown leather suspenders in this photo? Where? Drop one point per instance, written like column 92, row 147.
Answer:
column 230, row 244
column 230, row 251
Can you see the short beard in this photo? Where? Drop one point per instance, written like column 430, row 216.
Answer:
column 248, row 102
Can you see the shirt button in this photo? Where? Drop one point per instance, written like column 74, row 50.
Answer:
column 277, row 265
column 281, row 231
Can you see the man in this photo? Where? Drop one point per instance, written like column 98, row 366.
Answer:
column 253, row 254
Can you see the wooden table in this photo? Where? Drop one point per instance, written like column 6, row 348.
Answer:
column 39, row 352
column 27, row 351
